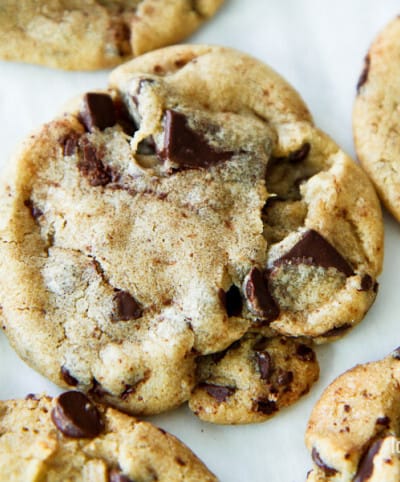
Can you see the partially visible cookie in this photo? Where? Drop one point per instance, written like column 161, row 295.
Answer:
column 253, row 379
column 376, row 116
column 95, row 34
column 70, row 438
column 353, row 433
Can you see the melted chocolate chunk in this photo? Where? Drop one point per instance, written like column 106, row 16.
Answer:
column 187, row 148
column 123, row 118
column 126, row 307
column 364, row 74
column 116, row 475
column 305, row 353
column 366, row 283
column 68, row 378
column 76, row 416
column 92, row 167
column 260, row 299
column 366, row 464
column 265, row 406
column 315, row 250
column 35, row 211
column 301, row 154
column 383, row 421
column 218, row 392
column 329, row 471
column 69, row 144
column 98, row 111
column 264, row 362
column 231, row 300
column 284, row 378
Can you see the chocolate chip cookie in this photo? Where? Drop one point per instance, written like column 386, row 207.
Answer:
column 376, row 116
column 157, row 223
column 95, row 34
column 353, row 431
column 70, row 438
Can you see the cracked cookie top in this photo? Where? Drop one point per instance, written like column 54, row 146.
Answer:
column 70, row 438
column 95, row 34
column 160, row 221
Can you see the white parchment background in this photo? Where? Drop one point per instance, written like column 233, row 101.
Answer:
column 318, row 45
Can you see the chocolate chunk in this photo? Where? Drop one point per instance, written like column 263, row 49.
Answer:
column 69, row 144
column 284, row 378
column 68, row 378
column 92, row 167
column 383, row 421
column 364, row 74
column 265, row 406
column 34, row 210
column 98, row 111
column 366, row 464
column 329, row 471
column 32, row 396
column 337, row 331
column 301, row 153
column 76, row 416
column 305, row 353
column 231, row 300
column 187, row 148
column 396, row 353
column 264, row 362
column 260, row 299
column 218, row 392
column 116, row 475
column 123, row 118
column 315, row 250
column 126, row 307
column 366, row 283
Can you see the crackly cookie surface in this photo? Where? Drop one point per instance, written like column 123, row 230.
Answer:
column 353, row 431
column 95, row 34
column 376, row 116
column 159, row 222
column 70, row 438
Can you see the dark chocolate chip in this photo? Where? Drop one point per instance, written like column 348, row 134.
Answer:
column 76, row 416
column 92, row 167
column 305, row 353
column 396, row 353
column 116, row 475
column 32, row 396
column 264, row 362
column 301, row 153
column 347, row 408
column 218, row 392
column 383, row 421
column 123, row 118
column 34, row 210
column 265, row 406
column 187, row 148
column 314, row 249
column 337, row 331
column 260, row 299
column 364, row 74
column 231, row 300
column 366, row 283
column 68, row 378
column 329, row 471
column 126, row 307
column 366, row 464
column 98, row 111
column 69, row 144
column 284, row 378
